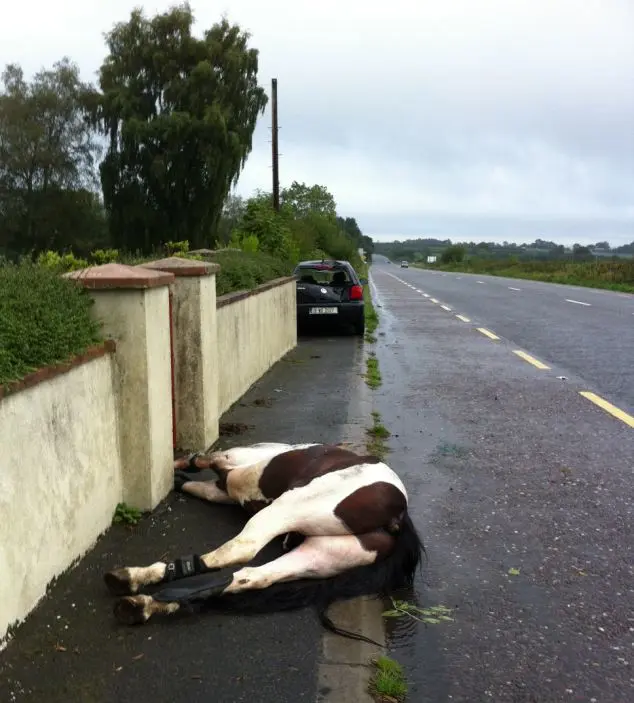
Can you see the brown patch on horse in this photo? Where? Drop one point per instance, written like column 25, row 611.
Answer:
column 378, row 541
column 299, row 467
column 379, row 505
column 222, row 476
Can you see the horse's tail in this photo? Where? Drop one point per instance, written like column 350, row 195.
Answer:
column 395, row 571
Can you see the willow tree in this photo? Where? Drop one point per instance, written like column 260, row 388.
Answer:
column 47, row 158
column 179, row 114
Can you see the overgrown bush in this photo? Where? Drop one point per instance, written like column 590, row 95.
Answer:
column 61, row 262
column 241, row 270
column 44, row 319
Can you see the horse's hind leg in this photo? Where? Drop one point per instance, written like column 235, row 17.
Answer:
column 257, row 533
column 316, row 557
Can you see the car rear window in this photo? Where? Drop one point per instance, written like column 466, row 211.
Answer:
column 324, row 276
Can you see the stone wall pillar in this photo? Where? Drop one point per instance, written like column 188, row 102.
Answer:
column 132, row 304
column 195, row 349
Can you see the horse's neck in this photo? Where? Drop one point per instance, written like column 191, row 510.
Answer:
column 247, row 457
column 243, row 483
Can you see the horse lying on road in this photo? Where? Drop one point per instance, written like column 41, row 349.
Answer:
column 345, row 517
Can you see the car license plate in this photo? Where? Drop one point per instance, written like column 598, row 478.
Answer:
column 323, row 311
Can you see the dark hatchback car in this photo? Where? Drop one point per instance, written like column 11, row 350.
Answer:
column 330, row 292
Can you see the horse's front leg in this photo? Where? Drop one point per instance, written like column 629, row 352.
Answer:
column 264, row 526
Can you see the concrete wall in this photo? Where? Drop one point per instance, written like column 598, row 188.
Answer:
column 139, row 321
column 254, row 330
column 60, row 479
column 195, row 361
column 79, row 438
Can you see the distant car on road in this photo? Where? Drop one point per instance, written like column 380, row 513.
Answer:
column 330, row 291
column 404, row 265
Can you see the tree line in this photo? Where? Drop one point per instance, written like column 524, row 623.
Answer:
column 151, row 153
column 540, row 250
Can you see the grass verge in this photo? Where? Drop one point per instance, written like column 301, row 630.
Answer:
column 609, row 275
column 372, row 373
column 377, row 435
column 388, row 683
column 371, row 318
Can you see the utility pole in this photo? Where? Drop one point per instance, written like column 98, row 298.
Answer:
column 276, row 170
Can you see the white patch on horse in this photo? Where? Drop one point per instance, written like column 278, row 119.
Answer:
column 244, row 457
column 316, row 557
column 138, row 576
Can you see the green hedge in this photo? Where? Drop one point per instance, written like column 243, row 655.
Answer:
column 241, row 270
column 44, row 319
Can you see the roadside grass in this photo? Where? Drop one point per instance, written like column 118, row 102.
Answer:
column 125, row 514
column 377, row 435
column 372, row 373
column 371, row 318
column 388, row 683
column 609, row 275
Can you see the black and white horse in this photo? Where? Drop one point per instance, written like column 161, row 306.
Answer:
column 346, row 521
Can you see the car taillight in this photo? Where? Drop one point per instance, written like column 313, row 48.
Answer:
column 356, row 293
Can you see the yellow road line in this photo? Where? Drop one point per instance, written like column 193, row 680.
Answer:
column 530, row 359
column 433, row 300
column 608, row 407
column 463, row 318
column 488, row 334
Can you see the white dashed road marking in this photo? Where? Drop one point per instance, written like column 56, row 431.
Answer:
column 578, row 302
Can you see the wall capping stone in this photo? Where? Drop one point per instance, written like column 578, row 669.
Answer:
column 46, row 373
column 181, row 266
column 229, row 298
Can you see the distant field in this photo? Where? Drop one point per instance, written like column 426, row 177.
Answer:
column 612, row 275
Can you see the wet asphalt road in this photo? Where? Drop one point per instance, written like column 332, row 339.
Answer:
column 523, row 491
column 71, row 650
column 592, row 337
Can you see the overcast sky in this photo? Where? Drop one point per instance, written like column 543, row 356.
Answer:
column 462, row 119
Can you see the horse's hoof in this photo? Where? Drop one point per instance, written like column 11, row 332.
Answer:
column 130, row 611
column 118, row 582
